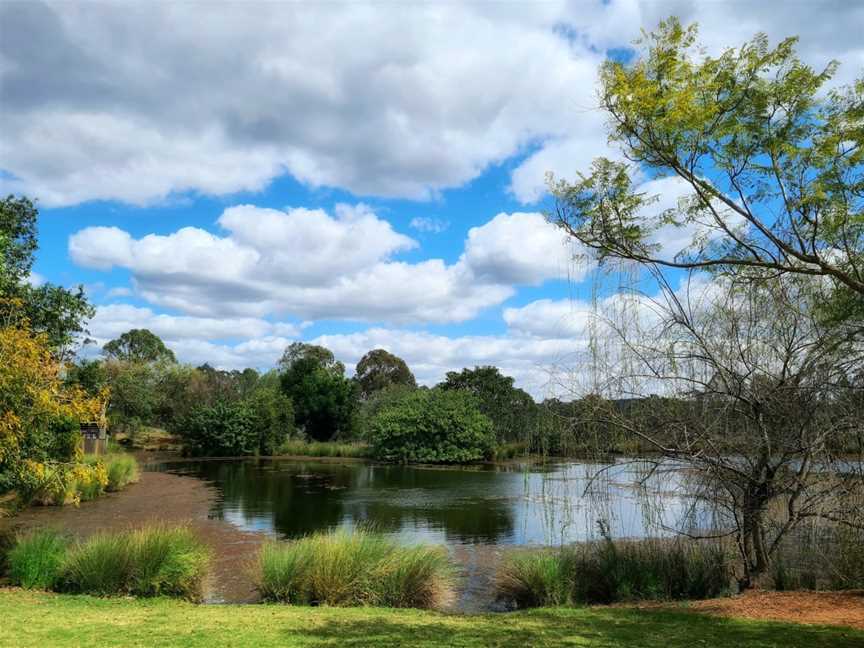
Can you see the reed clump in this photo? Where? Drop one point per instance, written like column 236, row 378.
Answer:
column 607, row 571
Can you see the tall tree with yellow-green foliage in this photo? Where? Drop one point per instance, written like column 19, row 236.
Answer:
column 771, row 157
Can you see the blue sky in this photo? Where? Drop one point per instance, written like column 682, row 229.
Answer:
column 238, row 176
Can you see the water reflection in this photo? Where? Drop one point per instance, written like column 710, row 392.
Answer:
column 517, row 504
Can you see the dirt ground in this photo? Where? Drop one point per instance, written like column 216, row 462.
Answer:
column 176, row 499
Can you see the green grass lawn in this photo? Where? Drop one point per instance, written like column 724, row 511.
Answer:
column 39, row 619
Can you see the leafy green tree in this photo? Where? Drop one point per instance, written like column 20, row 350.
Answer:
column 59, row 313
column 135, row 395
column 511, row 410
column 304, row 352
column 274, row 414
column 324, row 399
column 138, row 345
column 369, row 408
column 380, row 369
column 90, row 375
column 432, row 426
column 221, row 430
column 773, row 164
column 179, row 389
column 18, row 241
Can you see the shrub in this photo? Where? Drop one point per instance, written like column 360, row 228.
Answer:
column 606, row 572
column 223, row 430
column 354, row 568
column 56, row 484
column 153, row 561
column 36, row 560
column 432, row 426
column 39, row 413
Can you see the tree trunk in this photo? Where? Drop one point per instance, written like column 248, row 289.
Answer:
column 753, row 545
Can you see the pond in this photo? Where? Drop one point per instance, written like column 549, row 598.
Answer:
column 514, row 504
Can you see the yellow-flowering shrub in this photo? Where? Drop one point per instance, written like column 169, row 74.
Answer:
column 40, row 453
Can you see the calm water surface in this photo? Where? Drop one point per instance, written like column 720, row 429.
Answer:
column 526, row 504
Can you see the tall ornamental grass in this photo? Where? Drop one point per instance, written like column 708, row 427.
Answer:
column 153, row 561
column 356, row 568
column 608, row 572
column 36, row 559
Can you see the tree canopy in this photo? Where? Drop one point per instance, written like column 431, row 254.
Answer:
column 39, row 415
column 324, row 399
column 302, row 351
column 772, row 164
column 380, row 369
column 61, row 314
column 138, row 345
column 510, row 409
column 432, row 426
column 18, row 240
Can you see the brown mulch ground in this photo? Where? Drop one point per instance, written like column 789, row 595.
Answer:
column 822, row 608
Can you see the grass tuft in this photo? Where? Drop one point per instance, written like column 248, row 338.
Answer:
column 120, row 468
column 169, row 561
column 153, row 561
column 36, row 560
column 608, row 572
column 100, row 565
column 122, row 471
column 354, row 568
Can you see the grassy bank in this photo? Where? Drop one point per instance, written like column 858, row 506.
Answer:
column 39, row 619
column 324, row 449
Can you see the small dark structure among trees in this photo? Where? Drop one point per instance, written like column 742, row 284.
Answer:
column 94, row 437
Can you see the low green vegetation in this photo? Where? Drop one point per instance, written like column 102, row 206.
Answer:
column 432, row 426
column 36, row 619
column 152, row 561
column 36, row 560
column 298, row 448
column 823, row 558
column 354, row 568
column 609, row 572
column 120, row 470
column 507, row 451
